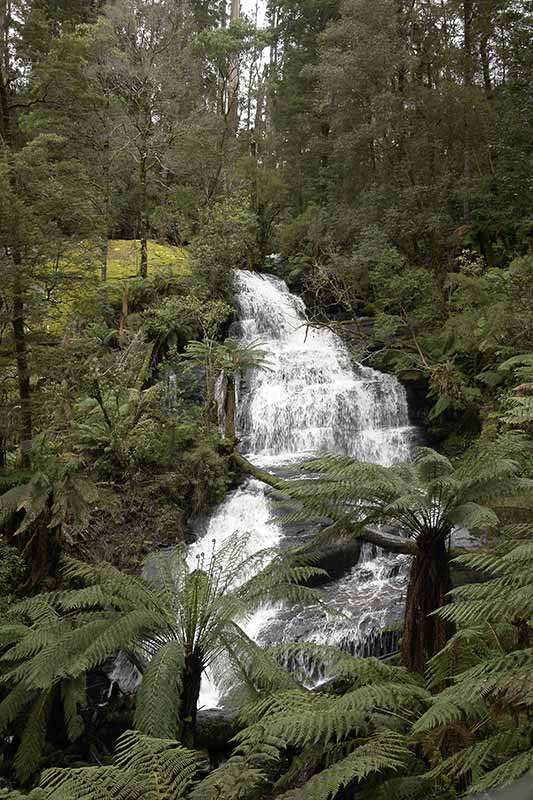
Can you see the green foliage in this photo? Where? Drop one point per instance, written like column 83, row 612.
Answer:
column 345, row 739
column 151, row 768
column 178, row 627
column 227, row 241
column 426, row 497
column 484, row 668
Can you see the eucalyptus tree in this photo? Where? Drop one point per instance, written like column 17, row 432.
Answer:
column 44, row 202
column 154, row 77
column 425, row 498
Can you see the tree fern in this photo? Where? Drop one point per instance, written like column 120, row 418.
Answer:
column 344, row 738
column 145, row 769
column 504, row 774
column 382, row 753
column 487, row 667
column 33, row 737
column 159, row 695
column 185, row 622
column 425, row 499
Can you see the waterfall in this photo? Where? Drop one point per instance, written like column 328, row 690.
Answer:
column 311, row 397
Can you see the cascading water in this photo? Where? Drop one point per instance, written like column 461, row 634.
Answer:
column 311, row 397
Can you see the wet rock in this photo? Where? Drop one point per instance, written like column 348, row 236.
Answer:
column 215, row 727
column 337, row 559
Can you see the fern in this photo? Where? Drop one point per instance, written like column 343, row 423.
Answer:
column 384, row 752
column 504, row 774
column 145, row 769
column 33, row 738
column 159, row 696
column 187, row 621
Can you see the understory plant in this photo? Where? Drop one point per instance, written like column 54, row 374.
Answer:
column 425, row 498
column 173, row 628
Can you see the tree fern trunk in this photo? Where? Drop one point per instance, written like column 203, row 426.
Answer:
column 192, row 678
column 429, row 581
column 229, row 430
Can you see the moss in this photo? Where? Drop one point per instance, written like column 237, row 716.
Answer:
column 78, row 276
column 124, row 258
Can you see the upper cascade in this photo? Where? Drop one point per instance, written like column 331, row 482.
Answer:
column 311, row 396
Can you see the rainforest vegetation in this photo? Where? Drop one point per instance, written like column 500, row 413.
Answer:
column 377, row 155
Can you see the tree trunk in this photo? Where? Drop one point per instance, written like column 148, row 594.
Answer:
column 468, row 78
column 233, row 77
column 124, row 313
column 229, row 430
column 23, row 372
column 143, row 233
column 43, row 556
column 103, row 259
column 192, row 679
column 429, row 581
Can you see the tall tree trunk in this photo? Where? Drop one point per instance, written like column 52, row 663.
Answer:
column 429, row 581
column 233, row 77
column 192, row 679
column 23, row 372
column 143, row 233
column 122, row 322
column 468, row 77
column 103, row 258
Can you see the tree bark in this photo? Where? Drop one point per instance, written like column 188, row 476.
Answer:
column 468, row 78
column 233, row 77
column 103, row 259
column 124, row 313
column 424, row 634
column 143, row 233
column 23, row 372
column 229, row 429
column 192, row 679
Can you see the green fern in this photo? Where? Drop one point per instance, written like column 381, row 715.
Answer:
column 145, row 769
column 186, row 623
column 382, row 753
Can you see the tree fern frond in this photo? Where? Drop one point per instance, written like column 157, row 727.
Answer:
column 504, row 774
column 446, row 709
column 73, row 695
column 474, row 761
column 466, row 648
column 12, row 705
column 159, row 696
column 384, row 752
column 33, row 738
column 167, row 767
column 11, row 633
column 92, row 783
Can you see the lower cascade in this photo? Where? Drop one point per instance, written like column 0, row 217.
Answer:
column 311, row 397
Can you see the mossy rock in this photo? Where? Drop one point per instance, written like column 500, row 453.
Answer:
column 214, row 731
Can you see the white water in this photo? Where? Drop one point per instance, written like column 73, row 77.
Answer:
column 311, row 397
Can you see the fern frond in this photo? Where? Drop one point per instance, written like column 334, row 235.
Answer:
column 474, row 761
column 167, row 767
column 504, row 774
column 73, row 695
column 384, row 752
column 92, row 783
column 159, row 696
column 33, row 738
